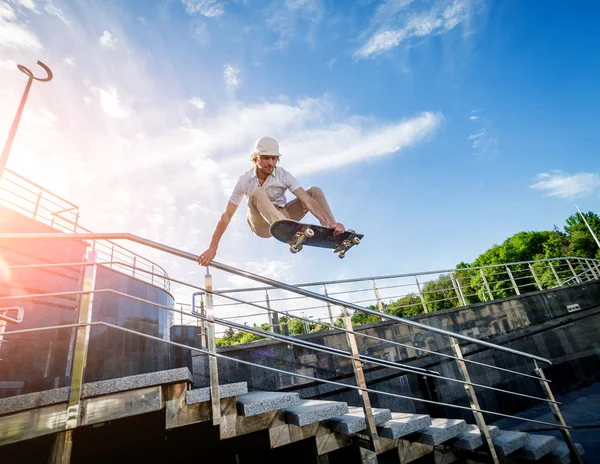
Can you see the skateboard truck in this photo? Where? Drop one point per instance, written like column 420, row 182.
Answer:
column 301, row 236
column 343, row 248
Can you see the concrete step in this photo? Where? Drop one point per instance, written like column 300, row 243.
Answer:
column 354, row 420
column 508, row 442
column 560, row 454
column 260, row 402
column 402, row 424
column 439, row 431
column 311, row 411
column 201, row 395
column 538, row 447
column 472, row 438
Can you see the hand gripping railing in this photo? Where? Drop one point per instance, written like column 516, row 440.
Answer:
column 85, row 322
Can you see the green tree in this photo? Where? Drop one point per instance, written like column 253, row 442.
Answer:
column 440, row 294
column 409, row 305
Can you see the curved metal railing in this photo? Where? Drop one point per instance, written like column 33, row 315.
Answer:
column 26, row 197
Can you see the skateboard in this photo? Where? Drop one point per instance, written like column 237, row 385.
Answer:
column 297, row 234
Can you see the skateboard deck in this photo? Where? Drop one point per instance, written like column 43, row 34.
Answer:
column 297, row 234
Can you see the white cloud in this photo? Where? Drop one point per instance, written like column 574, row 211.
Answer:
column 111, row 101
column 14, row 35
column 29, row 4
column 107, row 40
column 197, row 102
column 208, row 8
column 391, row 31
column 70, row 60
column 473, row 118
column 232, row 75
column 8, row 64
column 559, row 184
column 51, row 9
column 286, row 18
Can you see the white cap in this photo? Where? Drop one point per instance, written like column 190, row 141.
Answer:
column 266, row 146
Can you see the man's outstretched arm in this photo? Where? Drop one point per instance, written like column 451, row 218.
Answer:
column 317, row 210
column 205, row 258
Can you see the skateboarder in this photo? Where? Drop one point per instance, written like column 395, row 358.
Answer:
column 265, row 186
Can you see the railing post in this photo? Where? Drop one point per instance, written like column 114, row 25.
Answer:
column 328, row 305
column 512, row 279
column 575, row 457
column 592, row 269
column 134, row 263
column 361, row 383
column 82, row 340
column 483, row 428
column 152, row 274
column 460, row 290
column 554, row 272
column 577, row 278
column 112, row 256
column 379, row 302
column 539, row 286
column 487, row 285
column 453, row 279
column 37, row 204
column 582, row 268
column 215, row 396
column 63, row 441
column 273, row 319
column 203, row 340
column 421, row 295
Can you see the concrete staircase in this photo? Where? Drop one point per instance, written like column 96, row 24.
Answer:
column 287, row 420
column 395, row 429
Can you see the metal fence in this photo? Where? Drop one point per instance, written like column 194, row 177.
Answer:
column 30, row 199
column 408, row 294
column 529, row 368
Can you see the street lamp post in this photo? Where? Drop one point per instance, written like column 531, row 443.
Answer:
column 15, row 124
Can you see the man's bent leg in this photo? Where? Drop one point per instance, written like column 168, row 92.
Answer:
column 262, row 213
column 297, row 210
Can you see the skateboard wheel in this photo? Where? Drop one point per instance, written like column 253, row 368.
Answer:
column 341, row 254
column 295, row 248
column 309, row 233
column 356, row 240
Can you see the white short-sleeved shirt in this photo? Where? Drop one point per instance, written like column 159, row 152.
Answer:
column 275, row 185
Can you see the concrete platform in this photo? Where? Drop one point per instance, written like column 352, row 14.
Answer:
column 402, row 424
column 102, row 387
column 312, row 411
column 260, row 402
column 472, row 438
column 508, row 442
column 201, row 395
column 439, row 431
column 354, row 421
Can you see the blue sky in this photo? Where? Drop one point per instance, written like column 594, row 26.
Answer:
column 435, row 128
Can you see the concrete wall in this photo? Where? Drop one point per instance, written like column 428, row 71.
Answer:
column 537, row 323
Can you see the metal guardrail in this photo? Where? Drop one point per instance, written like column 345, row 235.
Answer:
column 358, row 360
column 30, row 199
column 423, row 292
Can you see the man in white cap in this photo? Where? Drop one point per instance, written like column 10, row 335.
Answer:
column 265, row 185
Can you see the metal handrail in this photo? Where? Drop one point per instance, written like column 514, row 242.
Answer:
column 267, row 281
column 281, row 371
column 224, row 321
